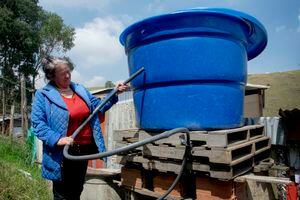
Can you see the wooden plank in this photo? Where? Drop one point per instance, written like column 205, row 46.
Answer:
column 123, row 144
column 120, row 135
column 121, row 116
column 163, row 151
column 148, row 193
column 263, row 179
column 253, row 106
column 160, row 165
column 173, row 139
column 200, row 167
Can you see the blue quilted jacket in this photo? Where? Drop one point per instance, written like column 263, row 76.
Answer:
column 50, row 118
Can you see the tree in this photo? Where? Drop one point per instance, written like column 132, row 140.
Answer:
column 19, row 39
column 109, row 84
column 18, row 44
column 55, row 37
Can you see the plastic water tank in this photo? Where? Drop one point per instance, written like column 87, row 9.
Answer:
column 195, row 67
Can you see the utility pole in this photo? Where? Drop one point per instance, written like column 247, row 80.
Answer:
column 3, row 110
column 11, row 124
column 24, row 107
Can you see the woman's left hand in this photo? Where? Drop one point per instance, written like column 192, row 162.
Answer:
column 122, row 88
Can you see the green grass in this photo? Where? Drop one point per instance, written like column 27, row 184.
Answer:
column 284, row 91
column 15, row 159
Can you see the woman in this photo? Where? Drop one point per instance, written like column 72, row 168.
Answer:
column 58, row 110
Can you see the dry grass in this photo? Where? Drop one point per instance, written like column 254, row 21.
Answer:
column 284, row 92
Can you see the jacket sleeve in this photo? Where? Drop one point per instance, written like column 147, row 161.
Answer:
column 97, row 101
column 39, row 121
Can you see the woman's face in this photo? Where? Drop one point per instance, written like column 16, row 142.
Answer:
column 62, row 76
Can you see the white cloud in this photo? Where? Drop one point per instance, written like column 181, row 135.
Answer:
column 40, row 80
column 280, row 28
column 97, row 43
column 71, row 4
column 95, row 81
column 77, row 77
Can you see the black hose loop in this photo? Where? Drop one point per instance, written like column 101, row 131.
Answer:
column 125, row 148
column 186, row 156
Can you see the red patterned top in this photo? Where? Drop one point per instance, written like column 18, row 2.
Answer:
column 78, row 112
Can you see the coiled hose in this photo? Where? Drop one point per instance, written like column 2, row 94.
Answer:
column 134, row 145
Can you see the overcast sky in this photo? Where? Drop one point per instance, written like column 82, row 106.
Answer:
column 99, row 56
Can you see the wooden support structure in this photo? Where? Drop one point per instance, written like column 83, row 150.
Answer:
column 216, row 166
column 24, row 107
column 11, row 123
column 263, row 179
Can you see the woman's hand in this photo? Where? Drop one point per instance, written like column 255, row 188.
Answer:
column 65, row 141
column 122, row 88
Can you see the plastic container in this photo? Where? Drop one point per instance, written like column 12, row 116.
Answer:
column 195, row 67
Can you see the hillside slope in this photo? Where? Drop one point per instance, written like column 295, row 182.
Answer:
column 284, row 91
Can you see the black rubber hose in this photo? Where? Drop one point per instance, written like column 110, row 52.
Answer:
column 184, row 161
column 125, row 148
column 134, row 145
column 108, row 97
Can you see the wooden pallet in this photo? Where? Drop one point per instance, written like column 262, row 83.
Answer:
column 127, row 135
column 220, row 138
column 222, row 171
column 230, row 155
column 234, row 154
column 159, row 165
column 227, row 172
column 215, row 170
column 222, row 154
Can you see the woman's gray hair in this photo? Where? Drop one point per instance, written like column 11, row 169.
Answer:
column 50, row 63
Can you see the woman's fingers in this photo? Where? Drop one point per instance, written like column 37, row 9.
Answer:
column 122, row 87
column 65, row 141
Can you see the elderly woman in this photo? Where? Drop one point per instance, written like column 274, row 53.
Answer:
column 58, row 110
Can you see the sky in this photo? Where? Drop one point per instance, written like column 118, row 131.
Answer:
column 99, row 56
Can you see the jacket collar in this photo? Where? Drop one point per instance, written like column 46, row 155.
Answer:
column 52, row 93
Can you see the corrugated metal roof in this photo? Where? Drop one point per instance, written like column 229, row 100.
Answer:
column 101, row 91
column 250, row 86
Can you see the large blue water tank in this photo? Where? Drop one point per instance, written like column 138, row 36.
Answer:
column 195, row 64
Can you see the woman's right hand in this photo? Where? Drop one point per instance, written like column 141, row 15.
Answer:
column 65, row 141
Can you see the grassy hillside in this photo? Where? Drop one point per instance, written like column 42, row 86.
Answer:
column 284, row 91
column 19, row 179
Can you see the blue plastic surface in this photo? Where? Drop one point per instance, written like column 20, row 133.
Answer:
column 195, row 67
